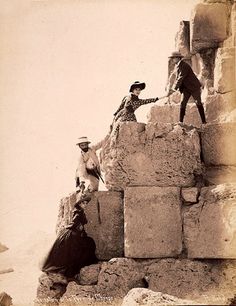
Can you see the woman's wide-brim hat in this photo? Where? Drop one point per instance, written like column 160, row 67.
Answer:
column 83, row 140
column 175, row 54
column 137, row 84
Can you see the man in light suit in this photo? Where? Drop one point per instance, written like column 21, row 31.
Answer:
column 88, row 169
column 188, row 84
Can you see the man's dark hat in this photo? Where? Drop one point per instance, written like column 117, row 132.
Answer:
column 137, row 84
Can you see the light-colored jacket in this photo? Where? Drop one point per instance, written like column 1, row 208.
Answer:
column 89, row 160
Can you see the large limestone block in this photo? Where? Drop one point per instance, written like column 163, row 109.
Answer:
column 153, row 226
column 224, row 72
column 152, row 155
column 214, row 18
column 210, row 226
column 105, row 221
column 106, row 224
column 218, row 144
column 170, row 114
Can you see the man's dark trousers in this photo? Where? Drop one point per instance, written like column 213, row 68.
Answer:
column 197, row 99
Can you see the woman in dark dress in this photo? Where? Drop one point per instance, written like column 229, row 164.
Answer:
column 73, row 249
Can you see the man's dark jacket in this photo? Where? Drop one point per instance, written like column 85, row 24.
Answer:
column 186, row 78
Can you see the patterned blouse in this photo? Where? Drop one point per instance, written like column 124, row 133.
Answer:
column 128, row 106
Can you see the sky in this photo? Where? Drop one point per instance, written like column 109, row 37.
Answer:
column 64, row 68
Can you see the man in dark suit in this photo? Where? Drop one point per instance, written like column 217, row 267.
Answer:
column 188, row 84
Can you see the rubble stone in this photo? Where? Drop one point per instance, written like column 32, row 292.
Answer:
column 190, row 194
column 146, row 297
column 89, row 275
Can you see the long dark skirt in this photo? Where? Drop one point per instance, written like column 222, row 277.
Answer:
column 70, row 252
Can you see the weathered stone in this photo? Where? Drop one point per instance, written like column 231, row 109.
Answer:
column 120, row 275
column 105, row 222
column 210, row 226
column 182, row 39
column 190, row 194
column 233, row 24
column 51, row 286
column 218, row 144
column 142, row 296
column 152, row 155
column 207, row 68
column 65, row 212
column 218, row 106
column 214, row 18
column 224, row 73
column 5, row 299
column 170, row 114
column 89, row 275
column 78, row 295
column 193, row 279
column 153, row 226
column 220, row 175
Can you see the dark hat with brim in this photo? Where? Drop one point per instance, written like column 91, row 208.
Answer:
column 137, row 84
column 175, row 54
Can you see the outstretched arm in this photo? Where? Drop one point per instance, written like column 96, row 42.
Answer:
column 137, row 103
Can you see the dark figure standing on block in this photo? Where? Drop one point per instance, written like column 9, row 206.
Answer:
column 188, row 84
column 73, row 249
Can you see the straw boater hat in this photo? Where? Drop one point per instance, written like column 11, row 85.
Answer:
column 175, row 54
column 137, row 84
column 83, row 140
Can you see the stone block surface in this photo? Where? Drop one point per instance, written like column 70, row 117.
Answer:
column 210, row 225
column 224, row 72
column 218, row 144
column 152, row 155
column 190, row 194
column 106, row 224
column 182, row 39
column 169, row 113
column 153, row 225
column 214, row 18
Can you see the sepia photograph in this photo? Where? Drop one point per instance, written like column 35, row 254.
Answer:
column 118, row 152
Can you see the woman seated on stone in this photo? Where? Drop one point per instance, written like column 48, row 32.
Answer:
column 73, row 249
